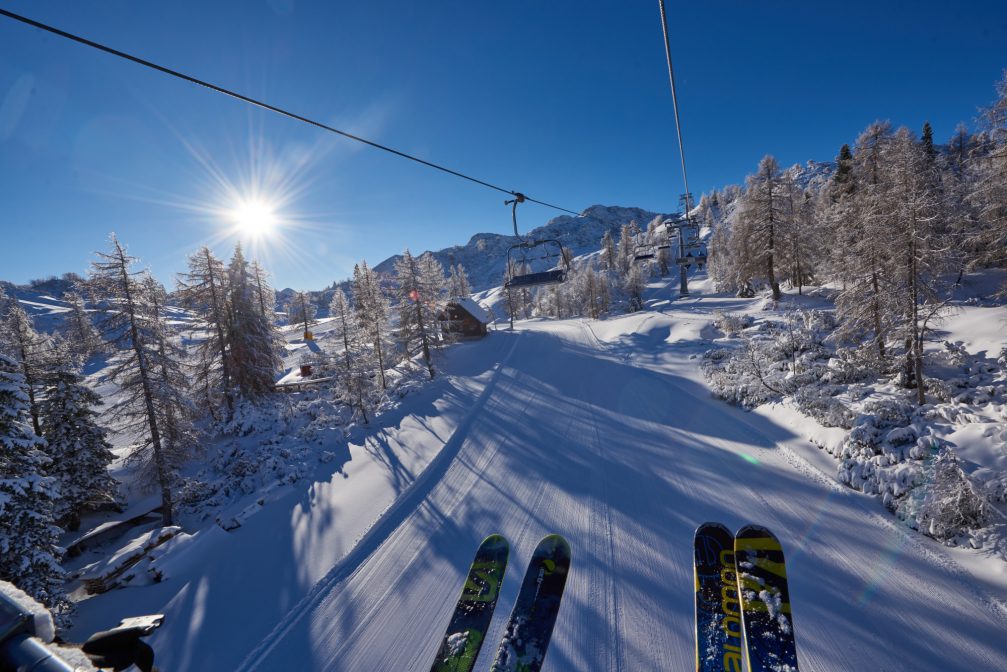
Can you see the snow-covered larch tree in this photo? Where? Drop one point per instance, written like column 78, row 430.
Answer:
column 254, row 343
column 760, row 217
column 458, row 282
column 372, row 312
column 80, row 330
column 302, row 310
column 203, row 290
column 420, row 286
column 354, row 365
column 862, row 305
column 130, row 324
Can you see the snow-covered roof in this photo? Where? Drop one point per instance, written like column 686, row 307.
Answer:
column 472, row 308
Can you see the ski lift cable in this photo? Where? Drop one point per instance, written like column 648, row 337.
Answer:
column 267, row 106
column 674, row 103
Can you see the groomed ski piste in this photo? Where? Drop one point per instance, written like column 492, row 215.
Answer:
column 601, row 431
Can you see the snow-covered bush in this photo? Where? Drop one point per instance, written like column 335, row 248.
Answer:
column 946, row 504
column 774, row 360
column 732, row 324
column 819, row 402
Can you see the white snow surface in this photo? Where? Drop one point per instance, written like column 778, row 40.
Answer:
column 604, row 432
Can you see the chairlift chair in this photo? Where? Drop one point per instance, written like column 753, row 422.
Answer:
column 546, row 248
column 644, row 252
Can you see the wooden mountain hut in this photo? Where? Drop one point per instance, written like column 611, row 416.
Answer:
column 465, row 318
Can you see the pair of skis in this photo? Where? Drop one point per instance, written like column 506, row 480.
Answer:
column 526, row 636
column 742, row 601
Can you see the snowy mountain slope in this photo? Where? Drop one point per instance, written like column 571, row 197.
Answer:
column 602, row 431
column 484, row 257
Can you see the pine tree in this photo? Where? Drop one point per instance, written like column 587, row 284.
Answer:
column 265, row 296
column 458, row 282
column 634, row 284
column 302, row 310
column 28, row 537
column 918, row 278
column 204, row 291
column 176, row 411
column 31, row 350
column 373, row 312
column 79, row 328
column 133, row 327
column 77, row 445
column 609, row 256
column 989, row 194
column 761, row 214
column 862, row 305
column 353, row 366
column 421, row 283
column 254, row 343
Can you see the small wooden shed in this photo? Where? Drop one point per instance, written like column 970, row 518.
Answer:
column 464, row 317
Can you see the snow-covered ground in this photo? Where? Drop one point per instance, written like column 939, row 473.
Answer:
column 605, row 432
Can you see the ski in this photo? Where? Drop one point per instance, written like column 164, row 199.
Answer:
column 765, row 601
column 529, row 628
column 474, row 610
column 718, row 619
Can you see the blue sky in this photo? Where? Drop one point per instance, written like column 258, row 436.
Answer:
column 565, row 101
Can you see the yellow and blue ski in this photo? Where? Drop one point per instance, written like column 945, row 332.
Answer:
column 765, row 601
column 719, row 637
column 474, row 610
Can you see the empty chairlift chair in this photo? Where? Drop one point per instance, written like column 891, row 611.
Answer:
column 521, row 255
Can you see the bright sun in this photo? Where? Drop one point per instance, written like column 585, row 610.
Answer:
column 254, row 218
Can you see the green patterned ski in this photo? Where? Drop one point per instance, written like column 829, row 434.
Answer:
column 529, row 629
column 474, row 611
column 719, row 638
column 765, row 601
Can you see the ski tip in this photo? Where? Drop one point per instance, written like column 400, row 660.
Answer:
column 708, row 527
column 756, row 537
column 750, row 531
column 495, row 541
column 553, row 544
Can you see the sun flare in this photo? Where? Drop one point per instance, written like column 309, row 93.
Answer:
column 254, row 218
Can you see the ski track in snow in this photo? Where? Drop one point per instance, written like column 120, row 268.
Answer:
column 621, row 449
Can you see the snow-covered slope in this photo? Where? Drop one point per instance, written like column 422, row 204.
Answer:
column 605, row 432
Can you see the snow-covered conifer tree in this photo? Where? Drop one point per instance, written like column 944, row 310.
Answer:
column 989, row 194
column 254, row 343
column 28, row 537
column 918, row 276
column 30, row 349
column 761, row 215
column 265, row 296
column 609, row 255
column 131, row 324
column 373, row 312
column 174, row 405
column 421, row 283
column 77, row 446
column 203, row 289
column 354, row 365
column 863, row 306
column 634, row 284
column 458, row 283
column 302, row 310
column 79, row 329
